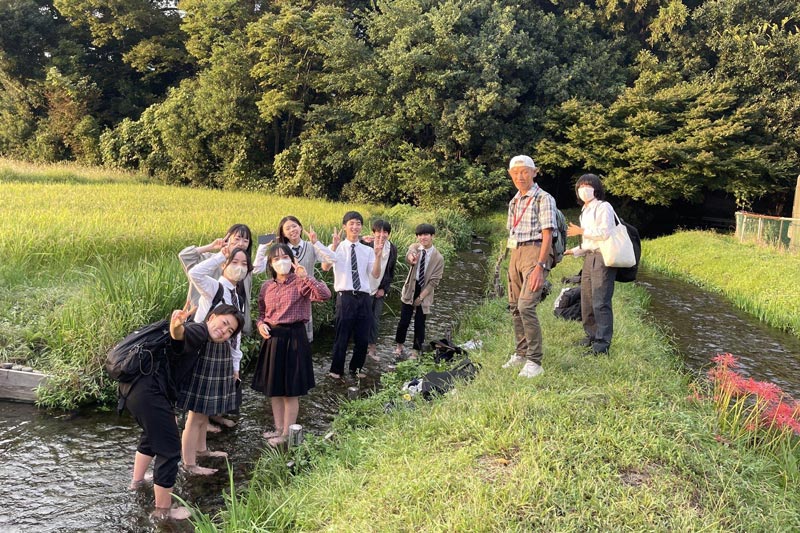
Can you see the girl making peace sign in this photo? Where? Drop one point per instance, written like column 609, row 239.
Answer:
column 284, row 370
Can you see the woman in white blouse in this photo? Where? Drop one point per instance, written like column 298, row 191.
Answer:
column 597, row 280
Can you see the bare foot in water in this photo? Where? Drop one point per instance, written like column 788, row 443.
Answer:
column 223, row 421
column 213, row 428
column 174, row 513
column 210, row 453
column 199, row 470
column 272, row 434
column 277, row 441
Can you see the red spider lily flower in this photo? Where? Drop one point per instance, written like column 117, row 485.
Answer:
column 727, row 380
column 725, row 360
column 763, row 389
column 782, row 415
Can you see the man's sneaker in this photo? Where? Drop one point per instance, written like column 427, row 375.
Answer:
column 531, row 370
column 514, row 360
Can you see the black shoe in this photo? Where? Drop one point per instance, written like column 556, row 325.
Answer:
column 599, row 349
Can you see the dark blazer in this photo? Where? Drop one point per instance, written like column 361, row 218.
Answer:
column 388, row 275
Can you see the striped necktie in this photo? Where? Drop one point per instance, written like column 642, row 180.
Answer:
column 354, row 268
column 421, row 281
column 235, row 300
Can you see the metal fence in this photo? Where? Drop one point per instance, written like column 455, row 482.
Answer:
column 779, row 232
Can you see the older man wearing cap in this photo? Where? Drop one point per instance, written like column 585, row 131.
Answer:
column 531, row 221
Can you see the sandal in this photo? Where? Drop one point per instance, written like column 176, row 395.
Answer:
column 214, row 453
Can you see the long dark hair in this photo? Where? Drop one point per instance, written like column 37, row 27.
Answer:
column 273, row 253
column 233, row 254
column 594, row 181
column 281, row 237
column 244, row 231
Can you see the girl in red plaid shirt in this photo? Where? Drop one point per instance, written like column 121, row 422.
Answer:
column 284, row 370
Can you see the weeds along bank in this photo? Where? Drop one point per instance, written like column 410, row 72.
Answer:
column 758, row 279
column 89, row 256
column 594, row 444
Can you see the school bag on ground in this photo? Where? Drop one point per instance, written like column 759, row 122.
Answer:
column 568, row 304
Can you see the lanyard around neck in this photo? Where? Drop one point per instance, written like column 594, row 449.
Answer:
column 517, row 218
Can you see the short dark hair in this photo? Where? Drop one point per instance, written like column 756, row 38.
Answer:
column 594, row 181
column 423, row 229
column 233, row 254
column 227, row 309
column 381, row 225
column 350, row 215
column 273, row 253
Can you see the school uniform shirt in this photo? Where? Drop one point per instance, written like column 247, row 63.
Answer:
column 434, row 268
column 342, row 277
column 597, row 221
column 207, row 286
column 189, row 257
column 307, row 255
column 289, row 301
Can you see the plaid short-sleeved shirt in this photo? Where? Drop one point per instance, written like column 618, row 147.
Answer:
column 540, row 214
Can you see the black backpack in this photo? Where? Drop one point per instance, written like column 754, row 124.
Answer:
column 568, row 304
column 138, row 354
column 444, row 350
column 141, row 351
column 627, row 275
column 559, row 238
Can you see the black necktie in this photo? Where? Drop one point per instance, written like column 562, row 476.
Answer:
column 421, row 281
column 235, row 299
column 354, row 268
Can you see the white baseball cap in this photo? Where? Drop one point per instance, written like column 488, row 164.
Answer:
column 521, row 161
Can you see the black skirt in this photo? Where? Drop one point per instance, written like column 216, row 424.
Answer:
column 284, row 366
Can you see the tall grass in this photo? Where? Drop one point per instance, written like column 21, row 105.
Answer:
column 90, row 254
column 595, row 444
column 757, row 279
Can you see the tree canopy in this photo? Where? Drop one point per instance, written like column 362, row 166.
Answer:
column 416, row 101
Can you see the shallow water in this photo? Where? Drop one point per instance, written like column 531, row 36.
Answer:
column 71, row 472
column 703, row 324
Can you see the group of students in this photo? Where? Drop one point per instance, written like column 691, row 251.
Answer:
column 531, row 224
column 202, row 373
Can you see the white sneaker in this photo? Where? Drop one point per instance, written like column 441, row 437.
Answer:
column 531, row 370
column 514, row 360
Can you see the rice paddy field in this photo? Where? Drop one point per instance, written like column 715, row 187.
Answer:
column 90, row 254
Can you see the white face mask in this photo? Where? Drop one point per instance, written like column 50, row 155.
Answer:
column 236, row 273
column 282, row 266
column 586, row 193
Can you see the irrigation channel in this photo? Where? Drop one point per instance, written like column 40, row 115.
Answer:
column 71, row 472
column 703, row 324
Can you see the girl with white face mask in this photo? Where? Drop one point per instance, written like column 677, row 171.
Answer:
column 228, row 289
column 237, row 236
column 308, row 252
column 284, row 370
column 597, row 280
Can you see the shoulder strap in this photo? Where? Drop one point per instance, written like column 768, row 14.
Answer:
column 218, row 297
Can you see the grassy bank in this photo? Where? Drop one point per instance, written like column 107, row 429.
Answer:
column 758, row 279
column 595, row 444
column 89, row 255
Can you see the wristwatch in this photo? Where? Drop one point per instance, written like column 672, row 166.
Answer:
column 543, row 265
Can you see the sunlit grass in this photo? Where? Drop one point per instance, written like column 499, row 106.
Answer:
column 594, row 444
column 757, row 279
column 90, row 254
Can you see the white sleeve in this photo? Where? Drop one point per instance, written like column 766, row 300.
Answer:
column 260, row 264
column 236, row 351
column 322, row 253
column 201, row 275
